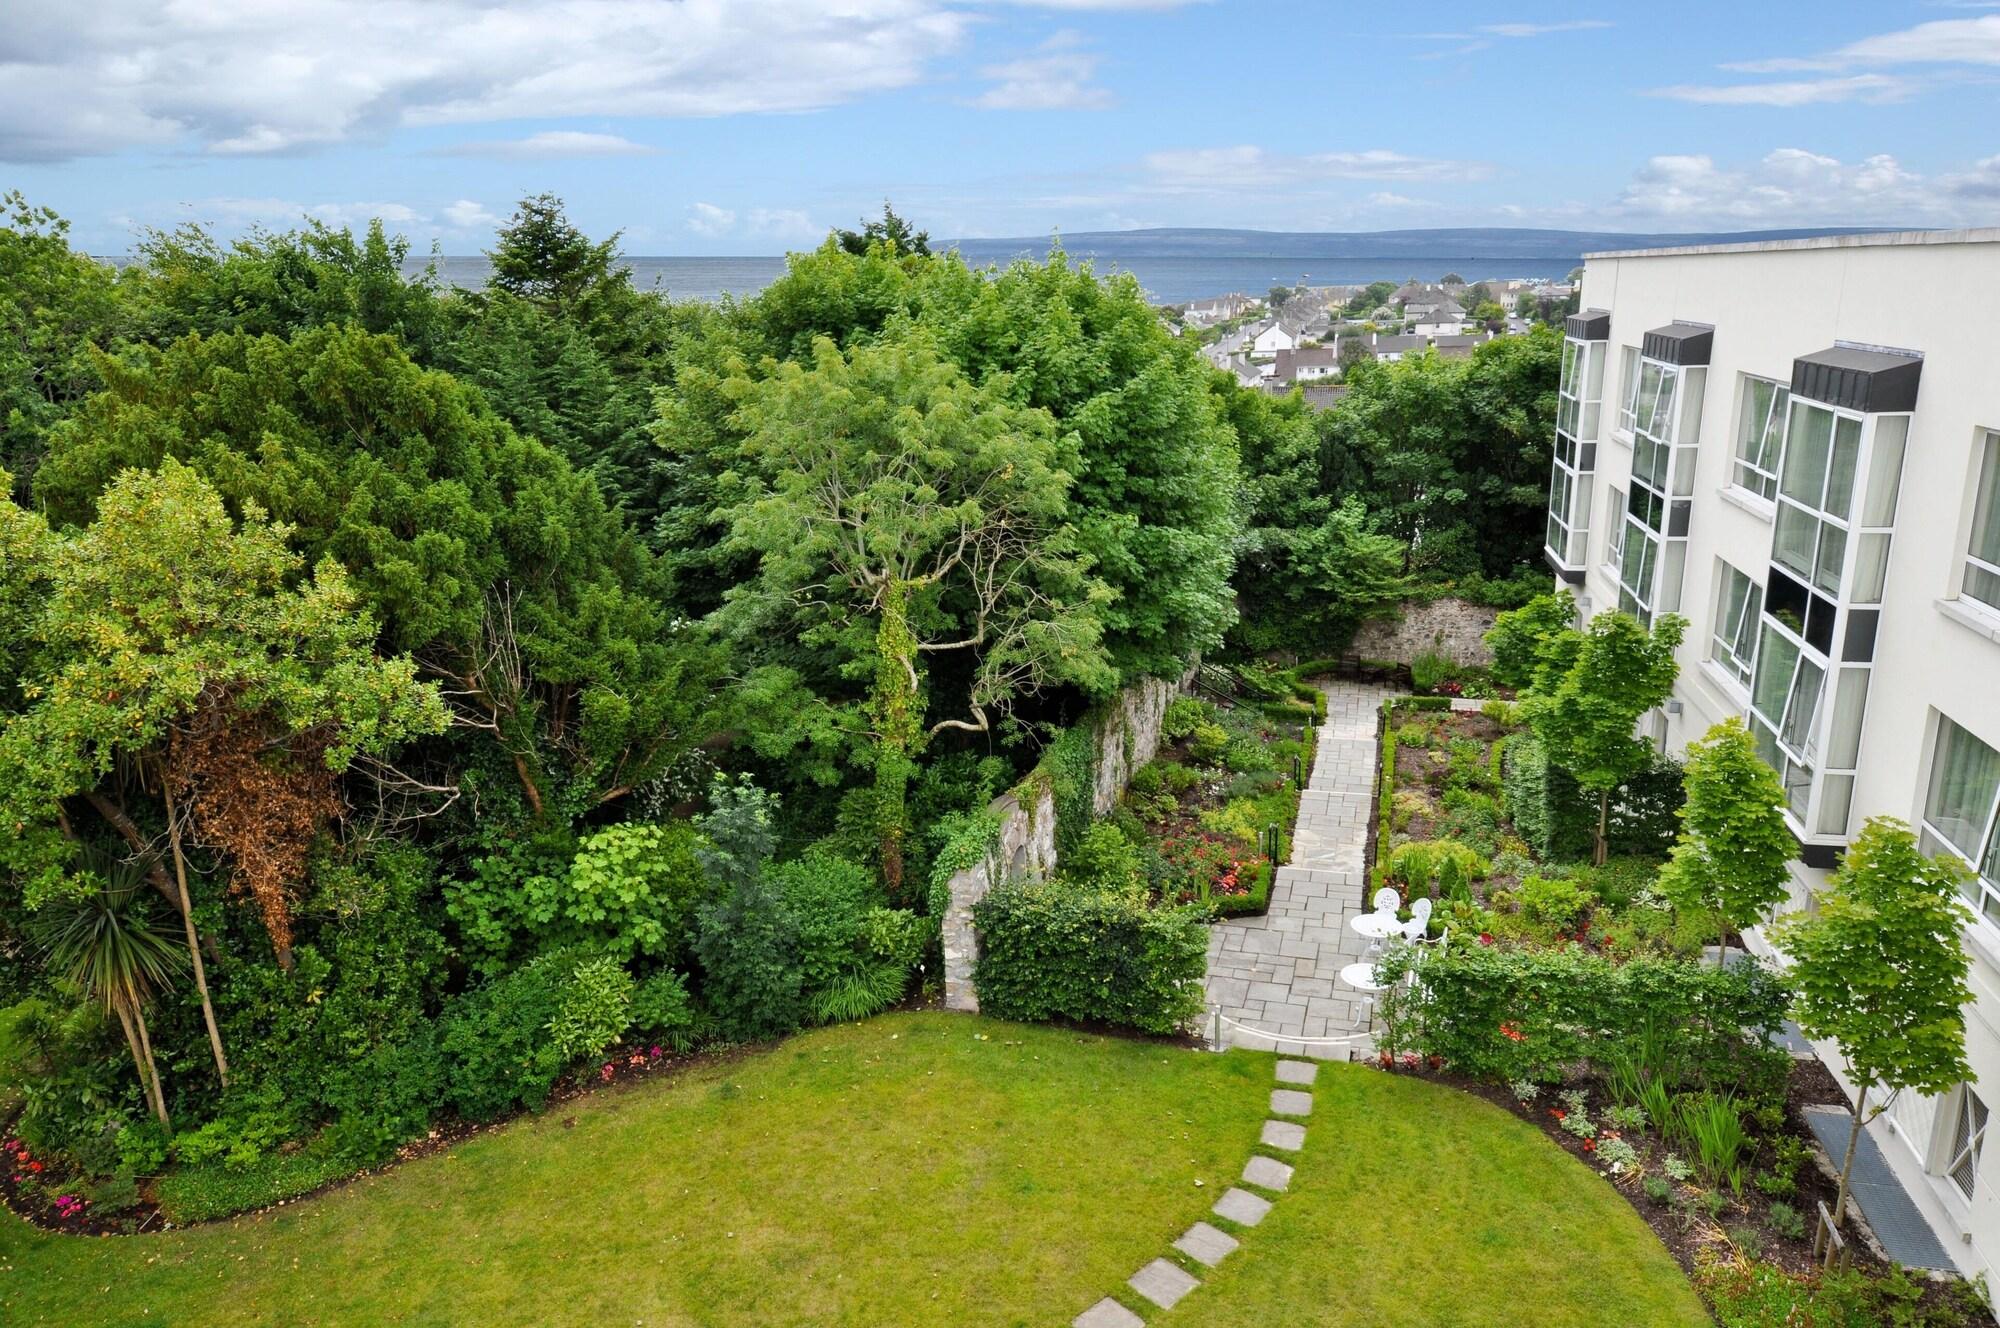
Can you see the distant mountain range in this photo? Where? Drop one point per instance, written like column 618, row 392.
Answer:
column 1468, row 242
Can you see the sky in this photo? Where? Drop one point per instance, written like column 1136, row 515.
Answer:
column 751, row 126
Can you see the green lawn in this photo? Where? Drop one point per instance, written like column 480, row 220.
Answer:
column 1416, row 1204
column 916, row 1169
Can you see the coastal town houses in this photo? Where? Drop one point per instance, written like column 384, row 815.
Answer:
column 1775, row 441
column 1273, row 337
column 1219, row 309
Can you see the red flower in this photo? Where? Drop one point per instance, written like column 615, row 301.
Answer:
column 1558, row 1113
column 34, row 1166
column 1511, row 1033
column 1590, row 1145
column 1486, row 938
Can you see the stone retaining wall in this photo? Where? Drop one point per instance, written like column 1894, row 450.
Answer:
column 1127, row 736
column 1450, row 627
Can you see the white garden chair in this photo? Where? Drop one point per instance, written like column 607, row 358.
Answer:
column 1420, row 919
column 1388, row 900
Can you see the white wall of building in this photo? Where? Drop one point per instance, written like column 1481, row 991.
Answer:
column 1934, row 655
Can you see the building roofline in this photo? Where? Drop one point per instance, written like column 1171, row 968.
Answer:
column 1866, row 240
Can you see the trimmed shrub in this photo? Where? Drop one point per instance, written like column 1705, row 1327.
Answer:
column 1048, row 952
column 1528, row 1014
column 506, row 1042
column 1559, row 820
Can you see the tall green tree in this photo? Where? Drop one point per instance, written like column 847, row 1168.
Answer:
column 1879, row 967
column 484, row 555
column 1588, row 716
column 58, row 308
column 1523, row 640
column 891, row 230
column 1733, row 857
column 890, row 501
column 163, row 621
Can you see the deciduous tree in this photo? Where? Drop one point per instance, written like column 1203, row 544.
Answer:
column 1733, row 859
column 1879, row 967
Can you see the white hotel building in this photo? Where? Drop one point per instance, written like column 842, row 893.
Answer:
column 1796, row 446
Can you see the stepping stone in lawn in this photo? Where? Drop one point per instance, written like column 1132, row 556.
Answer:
column 1242, row 1206
column 1266, row 1173
column 1107, row 1313
column 1297, row 1072
column 1288, row 1135
column 1291, row 1102
column 1206, row 1244
column 1163, row 1283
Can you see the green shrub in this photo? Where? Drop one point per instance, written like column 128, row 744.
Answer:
column 1557, row 905
column 663, row 1011
column 1069, row 763
column 1147, row 778
column 1787, row 1221
column 1247, row 756
column 203, row 1193
column 1048, row 952
column 1103, row 859
column 1180, row 778
column 1747, row 1294
column 1710, row 1027
column 1184, row 714
column 1429, row 669
column 499, row 1044
column 1256, row 899
column 747, row 943
column 1207, row 744
column 1658, row 1189
column 854, row 954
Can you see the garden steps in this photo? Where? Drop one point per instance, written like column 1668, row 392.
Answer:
column 1274, row 981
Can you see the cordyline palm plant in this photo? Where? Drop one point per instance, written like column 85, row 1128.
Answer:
column 110, row 944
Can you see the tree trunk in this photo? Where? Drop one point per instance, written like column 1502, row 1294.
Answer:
column 1847, row 1163
column 897, row 723
column 142, row 1063
column 1603, row 848
column 193, row 943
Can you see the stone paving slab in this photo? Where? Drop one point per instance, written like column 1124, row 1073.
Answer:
column 1107, row 1313
column 1267, row 1173
column 1291, row 1102
column 1242, row 1206
column 1275, row 979
column 1163, row 1283
column 1288, row 1135
column 1297, row 1072
column 1206, row 1244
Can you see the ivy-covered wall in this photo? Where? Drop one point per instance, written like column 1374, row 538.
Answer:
column 1080, row 777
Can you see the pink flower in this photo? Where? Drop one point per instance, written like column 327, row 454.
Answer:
column 606, row 1073
column 655, row 1053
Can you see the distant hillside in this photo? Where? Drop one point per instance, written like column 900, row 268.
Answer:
column 1471, row 242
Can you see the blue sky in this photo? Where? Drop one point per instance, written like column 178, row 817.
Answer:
column 749, row 126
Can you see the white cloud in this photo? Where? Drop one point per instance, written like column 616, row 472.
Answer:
column 1955, row 41
column 1383, row 198
column 1058, row 80
column 1483, row 36
column 1874, row 88
column 554, row 143
column 1540, row 29
column 1792, row 186
column 708, row 219
column 1245, row 166
column 466, row 215
column 248, row 76
column 1106, row 4
column 784, row 224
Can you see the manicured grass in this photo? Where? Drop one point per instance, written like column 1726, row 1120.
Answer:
column 1416, row 1204
column 916, row 1169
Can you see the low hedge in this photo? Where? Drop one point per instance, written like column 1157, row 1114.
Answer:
column 1049, row 951
column 1252, row 905
column 1509, row 1014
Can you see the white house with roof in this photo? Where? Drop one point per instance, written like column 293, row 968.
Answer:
column 1267, row 341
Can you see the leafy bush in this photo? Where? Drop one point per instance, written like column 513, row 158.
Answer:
column 1442, row 866
column 1247, row 756
column 506, row 1042
column 1429, row 669
column 1748, row 1294
column 627, row 889
column 853, row 954
column 1505, row 1014
column 1558, row 820
column 746, row 943
column 1557, row 905
column 1047, row 952
column 663, row 1011
column 1103, row 859
column 1208, row 744
column 203, row 1193
column 1787, row 1221
column 1183, row 715
column 1147, row 778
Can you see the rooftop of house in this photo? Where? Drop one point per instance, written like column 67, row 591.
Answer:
column 1868, row 240
column 1398, row 341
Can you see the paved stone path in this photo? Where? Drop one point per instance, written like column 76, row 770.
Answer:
column 1280, row 974
column 1165, row 1281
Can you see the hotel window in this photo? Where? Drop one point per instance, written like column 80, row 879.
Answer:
column 1665, row 417
column 1760, row 435
column 1736, row 608
column 1578, row 403
column 1614, row 529
column 1959, row 812
column 1968, row 1135
column 1982, row 559
column 1815, row 492
column 1628, row 385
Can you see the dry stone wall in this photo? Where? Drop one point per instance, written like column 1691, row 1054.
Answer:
column 1126, row 735
column 1450, row 627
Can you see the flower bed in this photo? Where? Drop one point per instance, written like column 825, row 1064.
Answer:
column 1212, row 815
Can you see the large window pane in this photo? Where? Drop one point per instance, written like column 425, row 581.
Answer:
column 1982, row 574
column 1777, row 660
column 1795, row 541
column 1801, row 706
column 1807, row 445
column 1840, row 475
column 1736, row 609
column 1965, row 778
